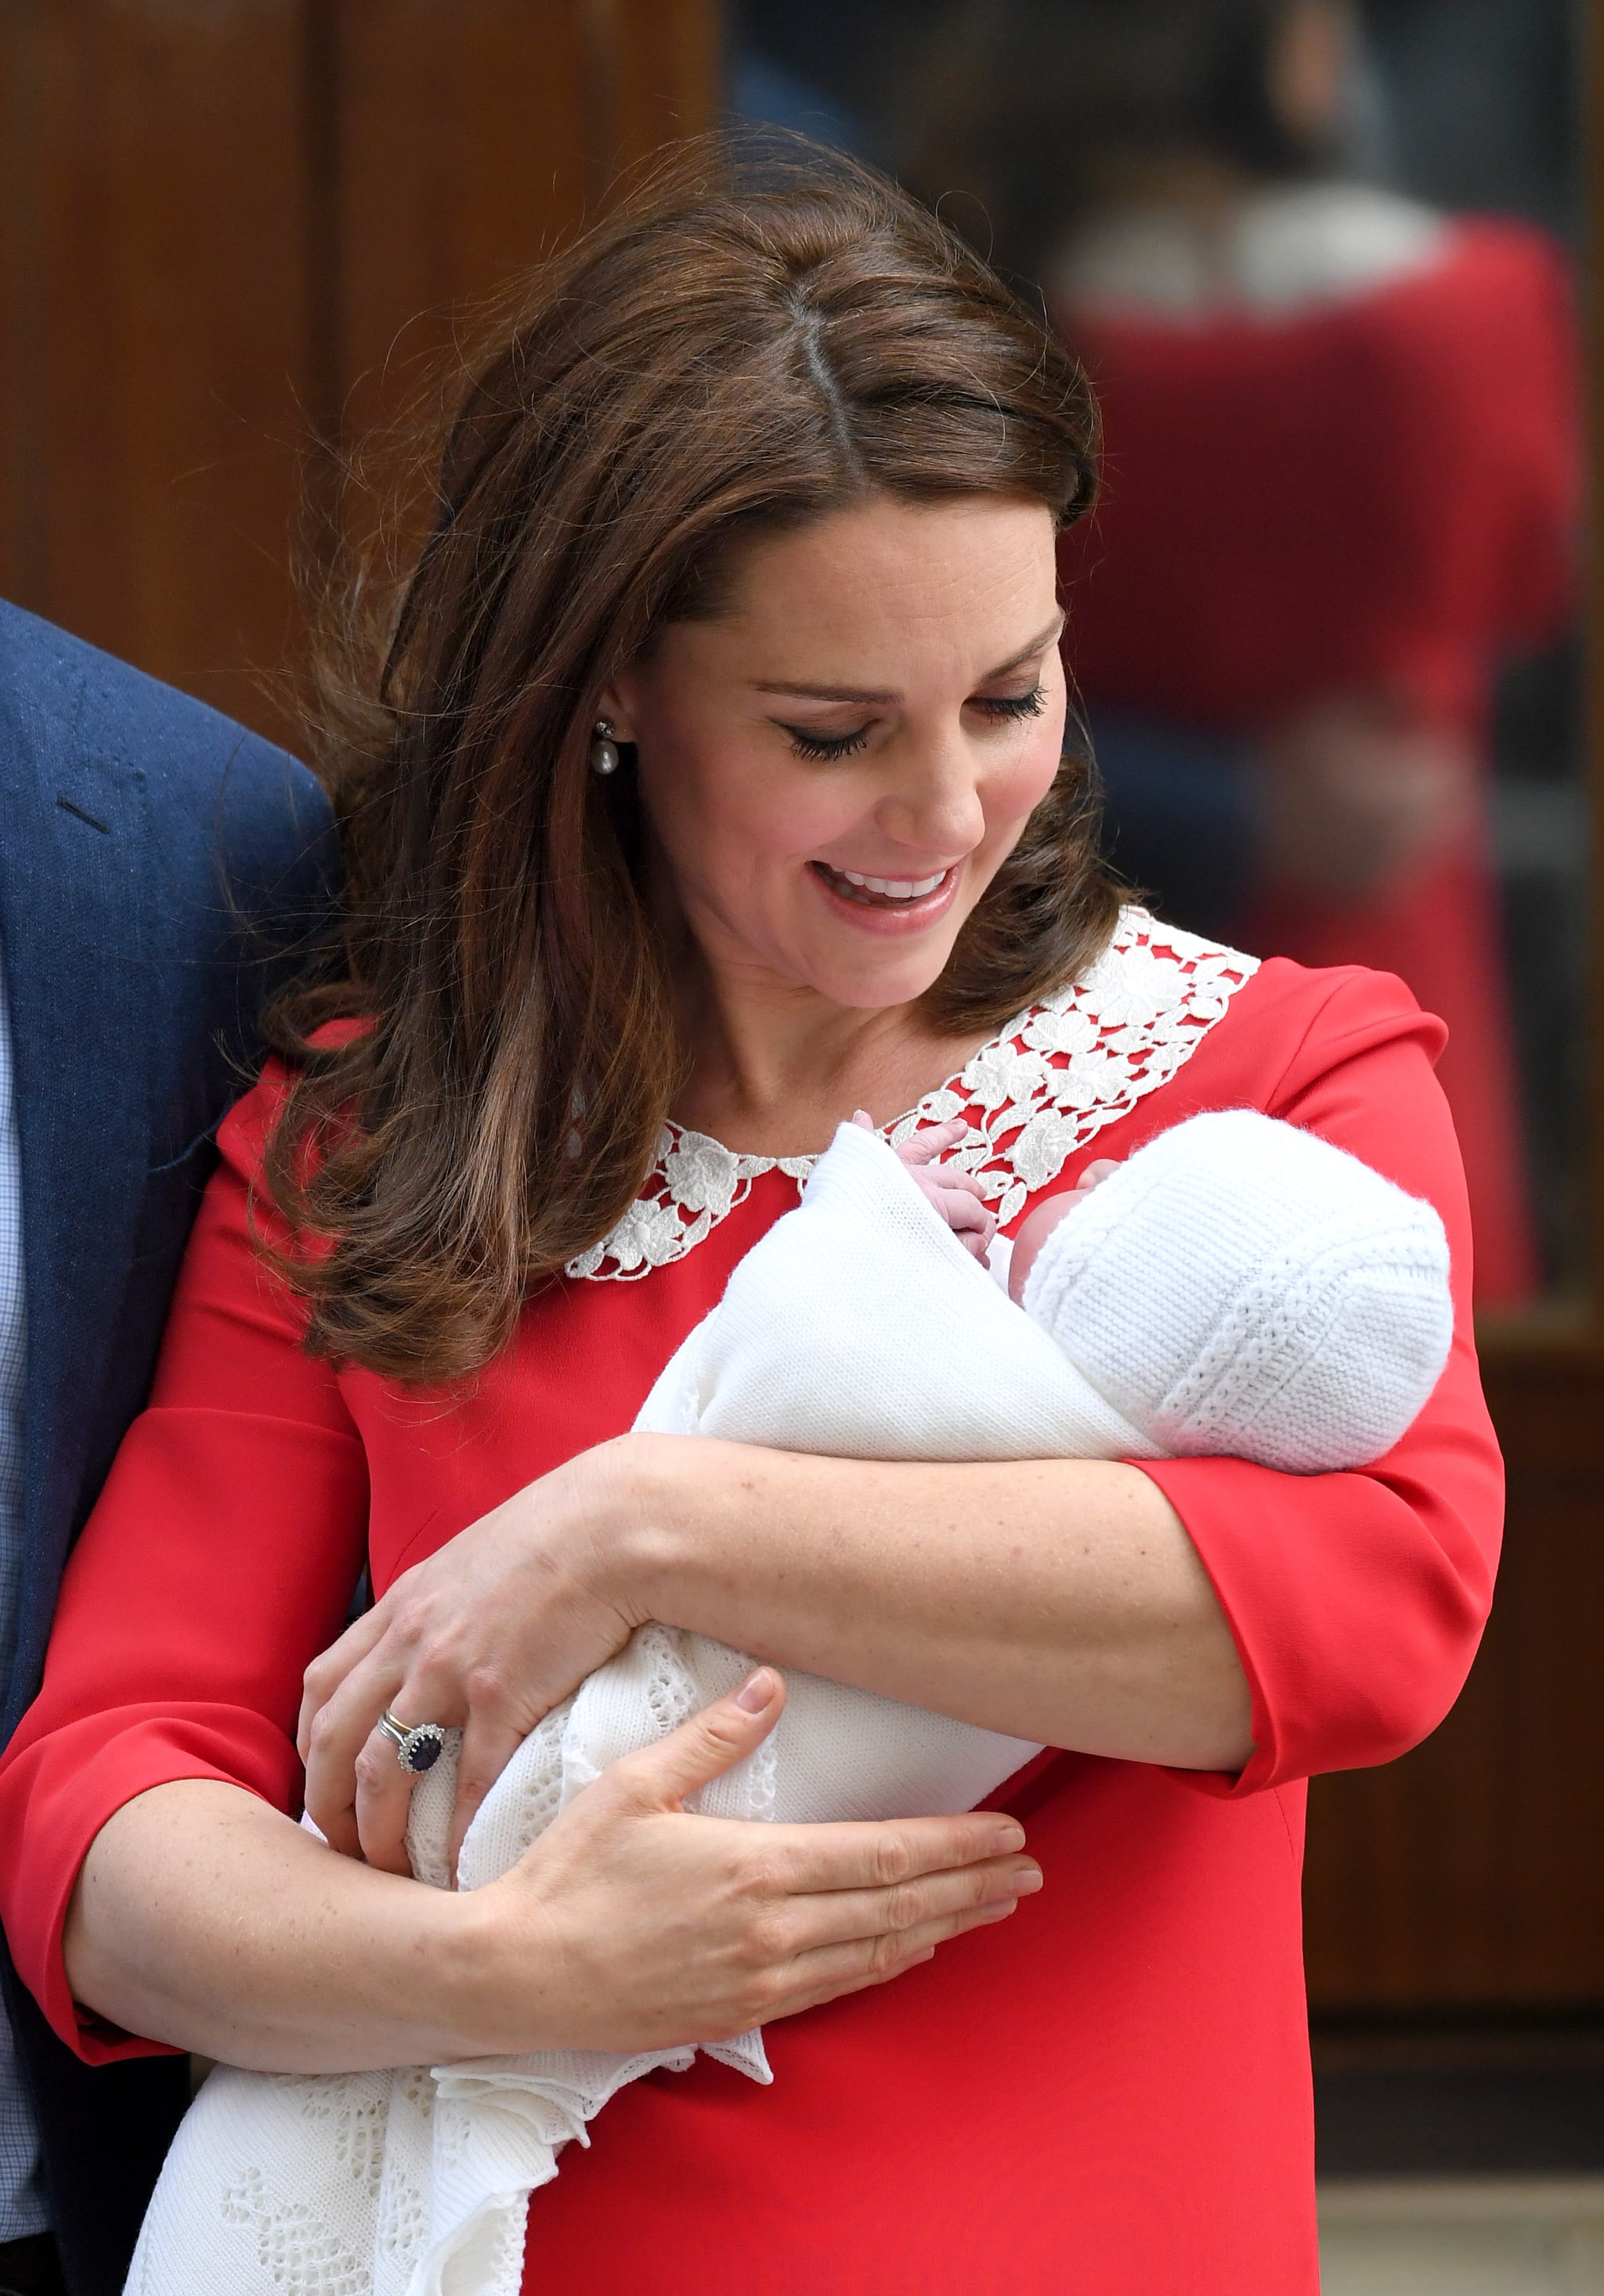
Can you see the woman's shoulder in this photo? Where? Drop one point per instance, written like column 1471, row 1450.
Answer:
column 1501, row 259
column 1290, row 251
column 245, row 1130
column 1293, row 1022
column 1164, row 1008
column 1330, row 266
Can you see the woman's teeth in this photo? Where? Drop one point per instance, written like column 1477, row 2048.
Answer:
column 890, row 889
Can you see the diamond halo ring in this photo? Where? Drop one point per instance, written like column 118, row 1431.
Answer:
column 417, row 1749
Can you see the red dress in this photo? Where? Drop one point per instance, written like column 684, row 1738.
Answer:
column 1108, row 2095
column 1377, row 490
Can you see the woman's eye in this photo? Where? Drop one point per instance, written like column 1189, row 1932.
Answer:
column 1009, row 706
column 824, row 747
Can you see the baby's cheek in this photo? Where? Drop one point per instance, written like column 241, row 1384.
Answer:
column 1033, row 1232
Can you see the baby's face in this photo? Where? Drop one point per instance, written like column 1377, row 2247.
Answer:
column 1037, row 1226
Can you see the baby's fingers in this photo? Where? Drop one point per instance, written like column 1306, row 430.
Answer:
column 923, row 1147
column 967, row 1215
column 1094, row 1173
column 951, row 1180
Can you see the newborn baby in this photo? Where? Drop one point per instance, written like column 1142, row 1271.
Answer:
column 1235, row 1287
column 1238, row 1287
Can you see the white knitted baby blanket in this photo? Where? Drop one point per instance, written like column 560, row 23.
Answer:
column 859, row 1327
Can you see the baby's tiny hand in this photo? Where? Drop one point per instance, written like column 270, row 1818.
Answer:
column 955, row 1195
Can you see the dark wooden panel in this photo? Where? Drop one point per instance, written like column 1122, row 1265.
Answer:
column 1471, row 1873
column 535, row 111
column 665, row 76
column 233, row 233
column 465, row 135
column 157, row 328
column 533, row 108
column 20, row 526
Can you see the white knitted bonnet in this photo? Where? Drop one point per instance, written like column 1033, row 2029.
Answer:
column 1238, row 1284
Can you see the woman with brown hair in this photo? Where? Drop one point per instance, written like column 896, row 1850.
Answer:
column 717, row 788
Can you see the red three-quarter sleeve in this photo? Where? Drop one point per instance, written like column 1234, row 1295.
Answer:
column 221, row 1559
column 1357, row 1600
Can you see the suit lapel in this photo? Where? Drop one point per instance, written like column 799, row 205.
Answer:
column 72, row 862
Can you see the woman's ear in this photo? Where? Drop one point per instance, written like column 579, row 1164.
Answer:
column 616, row 707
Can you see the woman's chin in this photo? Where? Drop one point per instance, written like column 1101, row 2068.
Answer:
column 870, row 979
column 869, row 957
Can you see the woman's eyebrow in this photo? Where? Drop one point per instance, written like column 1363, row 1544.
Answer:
column 883, row 693
column 826, row 692
column 1038, row 645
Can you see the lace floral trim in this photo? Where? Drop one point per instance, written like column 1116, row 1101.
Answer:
column 1031, row 1097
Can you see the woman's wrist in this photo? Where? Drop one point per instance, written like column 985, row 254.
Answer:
column 493, row 1978
column 663, row 1519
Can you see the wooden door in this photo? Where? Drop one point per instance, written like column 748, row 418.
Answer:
column 220, row 221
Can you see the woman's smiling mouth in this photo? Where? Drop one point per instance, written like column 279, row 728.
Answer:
column 913, row 900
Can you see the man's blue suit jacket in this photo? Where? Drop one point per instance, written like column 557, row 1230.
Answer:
column 158, row 869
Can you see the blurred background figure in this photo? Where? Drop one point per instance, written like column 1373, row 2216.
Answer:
column 1341, row 487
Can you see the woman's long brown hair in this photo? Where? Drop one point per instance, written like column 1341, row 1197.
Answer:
column 747, row 343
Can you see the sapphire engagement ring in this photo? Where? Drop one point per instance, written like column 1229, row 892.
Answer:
column 417, row 1750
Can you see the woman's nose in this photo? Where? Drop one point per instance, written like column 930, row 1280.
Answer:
column 935, row 807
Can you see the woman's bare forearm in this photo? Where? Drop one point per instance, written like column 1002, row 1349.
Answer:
column 1056, row 1599
column 205, row 1918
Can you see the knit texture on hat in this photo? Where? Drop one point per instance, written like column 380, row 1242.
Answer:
column 1242, row 1286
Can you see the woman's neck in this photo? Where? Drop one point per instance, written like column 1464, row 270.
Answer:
column 773, row 1068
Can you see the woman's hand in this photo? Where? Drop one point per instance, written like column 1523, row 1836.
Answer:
column 1102, row 1634
column 205, row 1918
column 490, row 1632
column 652, row 1927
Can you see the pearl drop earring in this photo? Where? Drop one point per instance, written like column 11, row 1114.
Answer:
column 604, row 749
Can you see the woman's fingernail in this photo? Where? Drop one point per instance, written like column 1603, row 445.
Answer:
column 1027, row 1879
column 1008, row 1837
column 756, row 1691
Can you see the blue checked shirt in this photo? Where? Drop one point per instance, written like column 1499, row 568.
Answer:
column 22, row 2209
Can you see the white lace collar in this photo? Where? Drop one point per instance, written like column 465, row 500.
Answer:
column 1033, row 1095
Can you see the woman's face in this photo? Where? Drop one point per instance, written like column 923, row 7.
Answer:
column 836, row 768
